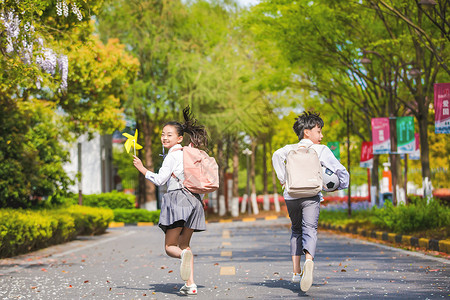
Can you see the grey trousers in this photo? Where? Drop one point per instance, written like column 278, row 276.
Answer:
column 304, row 215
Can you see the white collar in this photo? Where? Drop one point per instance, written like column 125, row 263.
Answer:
column 306, row 141
column 176, row 146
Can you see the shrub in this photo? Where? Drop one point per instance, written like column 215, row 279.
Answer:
column 417, row 216
column 111, row 200
column 90, row 220
column 136, row 215
column 22, row 231
column 340, row 217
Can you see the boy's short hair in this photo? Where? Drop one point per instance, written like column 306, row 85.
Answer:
column 307, row 120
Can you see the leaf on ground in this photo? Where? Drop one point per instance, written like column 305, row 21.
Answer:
column 343, row 270
column 216, row 264
column 86, row 281
column 170, row 271
column 356, row 270
column 434, row 270
column 44, row 270
column 70, row 286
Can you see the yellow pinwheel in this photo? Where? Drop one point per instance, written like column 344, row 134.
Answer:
column 132, row 140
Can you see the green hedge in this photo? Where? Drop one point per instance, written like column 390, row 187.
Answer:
column 420, row 215
column 403, row 219
column 136, row 215
column 111, row 200
column 22, row 231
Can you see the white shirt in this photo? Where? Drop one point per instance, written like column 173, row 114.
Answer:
column 326, row 158
column 173, row 163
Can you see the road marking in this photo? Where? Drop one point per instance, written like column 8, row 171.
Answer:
column 145, row 224
column 93, row 244
column 271, row 218
column 116, row 224
column 226, row 244
column 225, row 221
column 227, row 271
column 226, row 234
column 248, row 219
column 226, row 253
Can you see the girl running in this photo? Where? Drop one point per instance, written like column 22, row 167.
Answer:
column 181, row 211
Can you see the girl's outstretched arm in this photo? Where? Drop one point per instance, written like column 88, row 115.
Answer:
column 138, row 165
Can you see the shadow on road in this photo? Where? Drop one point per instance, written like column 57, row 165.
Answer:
column 285, row 284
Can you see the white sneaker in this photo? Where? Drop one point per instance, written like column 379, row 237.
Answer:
column 185, row 267
column 296, row 277
column 189, row 289
column 307, row 278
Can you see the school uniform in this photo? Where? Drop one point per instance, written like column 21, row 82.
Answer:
column 304, row 212
column 179, row 207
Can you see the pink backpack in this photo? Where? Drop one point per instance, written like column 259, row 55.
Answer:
column 201, row 172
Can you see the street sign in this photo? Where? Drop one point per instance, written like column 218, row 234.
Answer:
column 381, row 136
column 334, row 147
column 416, row 154
column 366, row 155
column 405, row 135
column 441, row 107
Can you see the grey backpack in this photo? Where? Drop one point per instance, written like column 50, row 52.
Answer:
column 303, row 173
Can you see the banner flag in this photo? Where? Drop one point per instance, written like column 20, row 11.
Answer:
column 366, row 155
column 334, row 147
column 405, row 135
column 381, row 136
column 416, row 154
column 441, row 107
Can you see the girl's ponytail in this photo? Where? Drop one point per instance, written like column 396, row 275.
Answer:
column 197, row 132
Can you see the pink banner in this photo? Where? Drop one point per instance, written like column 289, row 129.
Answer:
column 441, row 107
column 416, row 154
column 380, row 136
column 366, row 155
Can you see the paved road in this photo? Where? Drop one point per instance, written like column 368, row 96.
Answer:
column 240, row 260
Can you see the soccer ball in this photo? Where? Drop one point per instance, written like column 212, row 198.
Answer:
column 330, row 180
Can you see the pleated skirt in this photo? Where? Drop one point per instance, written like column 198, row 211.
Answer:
column 180, row 208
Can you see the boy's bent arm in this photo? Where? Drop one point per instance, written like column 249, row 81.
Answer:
column 331, row 162
column 279, row 165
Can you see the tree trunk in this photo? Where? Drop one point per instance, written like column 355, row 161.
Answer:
column 252, row 177
column 236, row 175
column 424, row 147
column 266, row 205
column 149, row 187
column 375, row 179
column 276, row 203
column 221, row 190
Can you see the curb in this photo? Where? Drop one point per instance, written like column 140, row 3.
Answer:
column 247, row 219
column 407, row 240
column 122, row 224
